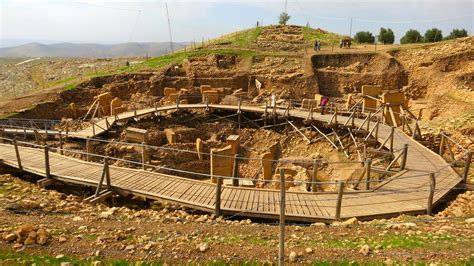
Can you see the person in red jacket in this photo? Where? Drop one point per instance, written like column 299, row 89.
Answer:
column 323, row 104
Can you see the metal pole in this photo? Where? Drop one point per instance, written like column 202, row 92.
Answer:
column 281, row 250
column 169, row 27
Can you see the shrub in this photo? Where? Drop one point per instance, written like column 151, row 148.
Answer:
column 283, row 18
column 411, row 36
column 433, row 35
column 364, row 37
column 386, row 36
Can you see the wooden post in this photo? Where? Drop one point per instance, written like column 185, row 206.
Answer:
column 392, row 132
column 88, row 150
column 144, row 155
column 377, row 130
column 107, row 125
column 404, row 157
column 37, row 137
column 46, row 161
column 1, row 135
column 106, row 176
column 61, row 143
column 368, row 166
column 218, row 196
column 368, row 121
column 281, row 249
column 93, row 128
column 441, row 145
column 340, row 192
column 429, row 206
column 235, row 171
column 467, row 166
column 67, row 129
column 17, row 152
column 134, row 113
column 314, row 177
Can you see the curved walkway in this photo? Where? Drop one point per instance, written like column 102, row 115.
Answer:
column 407, row 192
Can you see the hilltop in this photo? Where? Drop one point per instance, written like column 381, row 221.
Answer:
column 88, row 50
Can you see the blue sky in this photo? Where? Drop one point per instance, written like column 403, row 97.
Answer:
column 115, row 21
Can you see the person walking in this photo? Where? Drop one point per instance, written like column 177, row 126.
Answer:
column 318, row 44
column 323, row 104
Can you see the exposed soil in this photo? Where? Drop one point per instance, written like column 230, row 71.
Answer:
column 438, row 79
column 174, row 235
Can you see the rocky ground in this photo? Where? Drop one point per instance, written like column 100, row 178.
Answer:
column 49, row 226
column 17, row 78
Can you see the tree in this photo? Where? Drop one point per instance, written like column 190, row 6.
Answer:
column 411, row 36
column 457, row 33
column 364, row 37
column 283, row 18
column 386, row 36
column 433, row 35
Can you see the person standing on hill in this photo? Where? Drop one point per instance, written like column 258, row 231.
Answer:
column 318, row 45
column 323, row 104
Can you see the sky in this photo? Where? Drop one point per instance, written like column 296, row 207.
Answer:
column 116, row 21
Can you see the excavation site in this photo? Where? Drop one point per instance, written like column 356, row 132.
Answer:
column 341, row 139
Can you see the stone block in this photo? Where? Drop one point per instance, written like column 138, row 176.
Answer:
column 267, row 165
column 221, row 162
column 212, row 95
column 173, row 96
column 199, row 148
column 136, row 135
column 104, row 98
column 205, row 88
column 73, row 108
column 234, row 142
column 115, row 106
column 395, row 100
column 289, row 173
column 368, row 104
column 318, row 97
column 168, row 91
column 170, row 135
column 105, row 110
column 307, row 103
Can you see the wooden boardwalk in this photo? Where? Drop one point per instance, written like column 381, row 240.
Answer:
column 406, row 193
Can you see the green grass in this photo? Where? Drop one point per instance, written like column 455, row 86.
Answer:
column 247, row 239
column 21, row 258
column 326, row 38
column 178, row 57
column 244, row 39
column 390, row 241
column 3, row 116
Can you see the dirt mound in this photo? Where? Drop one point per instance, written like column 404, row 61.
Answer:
column 440, row 77
column 336, row 72
column 283, row 38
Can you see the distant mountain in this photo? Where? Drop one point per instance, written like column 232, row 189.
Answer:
column 89, row 50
